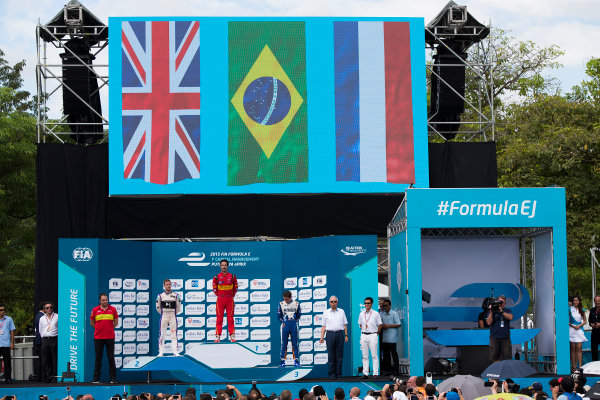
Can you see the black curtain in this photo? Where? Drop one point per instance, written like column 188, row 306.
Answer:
column 462, row 165
column 72, row 201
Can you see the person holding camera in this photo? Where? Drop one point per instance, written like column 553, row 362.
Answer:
column 499, row 317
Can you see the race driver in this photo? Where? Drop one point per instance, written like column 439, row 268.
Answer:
column 288, row 313
column 168, row 304
column 225, row 286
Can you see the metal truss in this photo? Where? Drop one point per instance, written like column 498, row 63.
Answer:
column 478, row 121
column 50, row 81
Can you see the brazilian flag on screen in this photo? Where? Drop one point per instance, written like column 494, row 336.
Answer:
column 267, row 111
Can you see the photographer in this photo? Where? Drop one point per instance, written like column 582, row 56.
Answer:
column 499, row 317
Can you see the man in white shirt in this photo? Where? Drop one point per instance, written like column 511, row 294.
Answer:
column 370, row 326
column 336, row 326
column 48, row 329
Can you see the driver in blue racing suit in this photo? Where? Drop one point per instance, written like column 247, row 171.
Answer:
column 288, row 313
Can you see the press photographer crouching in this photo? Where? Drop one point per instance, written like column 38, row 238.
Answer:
column 498, row 318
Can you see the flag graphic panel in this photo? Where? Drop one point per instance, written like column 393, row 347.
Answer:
column 268, row 133
column 160, row 78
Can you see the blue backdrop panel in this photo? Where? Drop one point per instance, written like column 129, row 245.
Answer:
column 132, row 273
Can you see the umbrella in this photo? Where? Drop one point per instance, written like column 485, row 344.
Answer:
column 508, row 369
column 470, row 386
column 594, row 392
column 505, row 396
column 592, row 368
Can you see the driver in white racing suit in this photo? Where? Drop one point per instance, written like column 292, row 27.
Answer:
column 168, row 304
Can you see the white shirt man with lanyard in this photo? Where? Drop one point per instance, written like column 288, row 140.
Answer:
column 336, row 326
column 370, row 326
column 49, row 332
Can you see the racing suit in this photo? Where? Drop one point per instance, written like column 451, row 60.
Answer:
column 168, row 305
column 289, row 315
column 225, row 287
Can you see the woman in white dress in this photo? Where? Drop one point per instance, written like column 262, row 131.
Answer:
column 576, row 334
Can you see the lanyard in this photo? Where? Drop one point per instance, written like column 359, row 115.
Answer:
column 367, row 319
column 49, row 321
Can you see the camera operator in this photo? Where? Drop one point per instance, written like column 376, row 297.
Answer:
column 499, row 317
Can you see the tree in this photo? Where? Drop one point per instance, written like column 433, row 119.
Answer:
column 17, row 195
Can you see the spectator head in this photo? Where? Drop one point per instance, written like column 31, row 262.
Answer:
column 526, row 391
column 354, row 392
column 339, row 394
column 308, row 396
column 301, row 393
column 567, row 384
column 79, row 396
column 242, row 397
column 318, row 391
column 222, row 395
column 430, row 389
column 253, row 395
column 285, row 395
column 411, row 382
column 554, row 382
column 420, row 381
column 452, row 396
column 402, row 388
column 536, row 386
column 87, row 397
column 540, row 395
column 205, row 396
column 190, row 391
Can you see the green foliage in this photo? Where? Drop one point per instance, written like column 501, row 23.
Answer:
column 555, row 140
column 17, row 196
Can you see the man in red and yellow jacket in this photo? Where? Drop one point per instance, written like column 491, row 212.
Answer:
column 225, row 286
column 104, row 319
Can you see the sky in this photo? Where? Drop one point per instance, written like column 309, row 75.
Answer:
column 573, row 25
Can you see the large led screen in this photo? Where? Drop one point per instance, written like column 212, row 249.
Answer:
column 267, row 105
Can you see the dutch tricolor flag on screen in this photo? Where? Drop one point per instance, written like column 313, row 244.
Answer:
column 373, row 102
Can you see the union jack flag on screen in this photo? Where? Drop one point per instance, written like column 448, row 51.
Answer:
column 161, row 100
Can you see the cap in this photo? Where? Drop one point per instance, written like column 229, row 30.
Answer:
column 452, row 396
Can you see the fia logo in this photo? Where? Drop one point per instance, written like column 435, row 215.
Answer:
column 82, row 254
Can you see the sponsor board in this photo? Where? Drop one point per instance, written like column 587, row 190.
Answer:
column 119, row 323
column 304, row 281
column 305, row 346
column 353, row 250
column 195, row 322
column 260, row 334
column 143, row 284
column 318, row 319
column 320, row 280
column 194, row 309
column 317, row 333
column 306, row 307
column 143, row 323
column 211, row 309
column 320, row 346
column 179, row 294
column 118, row 307
column 142, row 310
column 240, row 309
column 319, row 306
column 260, row 284
column 115, row 283
column 118, row 362
column 211, row 322
column 129, row 297
column 259, row 322
column 179, row 335
column 260, row 296
column 194, row 297
column 210, row 335
column 179, row 322
column 129, row 336
column 258, row 347
column 240, row 297
column 129, row 348
column 143, row 348
column 240, row 322
column 319, row 294
column 194, row 284
column 242, row 284
column 129, row 309
column 195, row 334
column 290, row 283
column 128, row 360
column 294, row 293
column 118, row 335
column 118, row 348
column 306, row 359
column 143, row 297
column 211, row 297
column 260, row 309
column 242, row 334
column 305, row 320
column 115, row 297
column 128, row 323
column 305, row 333
column 320, row 359
column 179, row 347
column 143, row 336
column 176, row 284
column 305, row 294
column 128, row 284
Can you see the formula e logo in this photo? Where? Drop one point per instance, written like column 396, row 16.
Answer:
column 82, row 254
column 195, row 260
column 290, row 283
column 353, row 250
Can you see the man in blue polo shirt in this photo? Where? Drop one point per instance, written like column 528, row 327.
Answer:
column 389, row 338
column 7, row 342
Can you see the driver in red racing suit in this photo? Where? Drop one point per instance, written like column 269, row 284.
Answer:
column 225, row 286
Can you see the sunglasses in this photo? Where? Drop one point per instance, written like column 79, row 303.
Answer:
column 2, row 309
column 333, row 301
column 49, row 307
